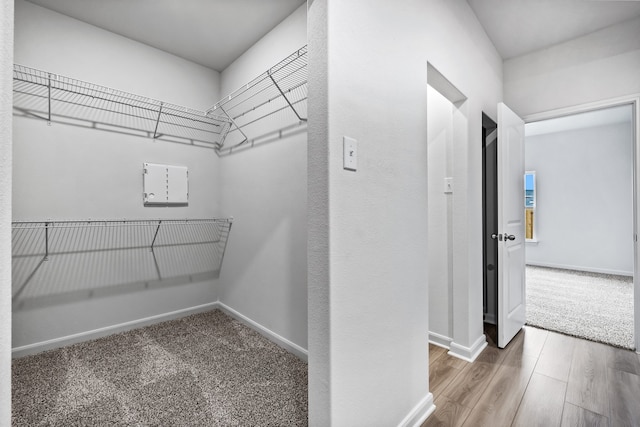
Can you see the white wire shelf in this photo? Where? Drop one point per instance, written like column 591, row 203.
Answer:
column 274, row 101
column 57, row 98
column 59, row 259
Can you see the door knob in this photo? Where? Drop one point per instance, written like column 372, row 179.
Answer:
column 509, row 236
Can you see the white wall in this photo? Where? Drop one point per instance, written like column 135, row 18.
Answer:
column 440, row 134
column 318, row 252
column 368, row 231
column 584, row 186
column 598, row 66
column 264, row 275
column 60, row 170
column 6, row 111
column 53, row 42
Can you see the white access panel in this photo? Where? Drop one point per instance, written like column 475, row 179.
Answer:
column 177, row 185
column 154, row 182
column 165, row 184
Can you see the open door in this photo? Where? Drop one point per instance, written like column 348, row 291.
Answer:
column 511, row 230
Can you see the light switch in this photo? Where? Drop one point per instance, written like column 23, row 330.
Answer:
column 448, row 185
column 350, row 148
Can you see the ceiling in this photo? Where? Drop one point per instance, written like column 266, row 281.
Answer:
column 606, row 116
column 212, row 33
column 517, row 27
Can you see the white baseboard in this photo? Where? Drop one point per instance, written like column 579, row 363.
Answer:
column 468, row 354
column 580, row 268
column 294, row 348
column 440, row 340
column 38, row 347
column 419, row 413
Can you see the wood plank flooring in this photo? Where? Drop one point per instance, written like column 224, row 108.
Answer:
column 542, row 378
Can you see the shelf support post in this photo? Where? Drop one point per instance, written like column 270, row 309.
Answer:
column 49, row 98
column 155, row 261
column 285, row 97
column 236, row 125
column 156, row 235
column 46, row 241
column 155, row 131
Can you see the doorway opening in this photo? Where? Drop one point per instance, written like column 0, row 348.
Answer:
column 580, row 251
column 455, row 302
column 490, row 220
column 503, row 225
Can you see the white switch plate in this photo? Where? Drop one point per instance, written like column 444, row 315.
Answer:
column 350, row 150
column 448, row 185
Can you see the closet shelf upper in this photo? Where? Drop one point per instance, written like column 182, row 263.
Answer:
column 273, row 102
column 56, row 98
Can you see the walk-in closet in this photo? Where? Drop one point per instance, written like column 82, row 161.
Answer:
column 159, row 216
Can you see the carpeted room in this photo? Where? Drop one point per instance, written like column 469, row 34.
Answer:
column 92, row 256
column 579, row 248
column 203, row 369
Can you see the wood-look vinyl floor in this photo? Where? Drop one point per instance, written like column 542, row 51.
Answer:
column 542, row 378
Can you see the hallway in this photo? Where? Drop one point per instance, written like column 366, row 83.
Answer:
column 541, row 379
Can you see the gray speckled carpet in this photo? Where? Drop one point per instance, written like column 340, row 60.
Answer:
column 598, row 307
column 203, row 370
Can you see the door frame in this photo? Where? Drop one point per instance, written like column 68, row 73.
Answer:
column 466, row 338
column 634, row 101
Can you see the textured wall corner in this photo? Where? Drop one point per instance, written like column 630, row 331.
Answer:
column 6, row 101
column 319, row 341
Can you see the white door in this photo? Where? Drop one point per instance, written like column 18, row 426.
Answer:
column 511, row 245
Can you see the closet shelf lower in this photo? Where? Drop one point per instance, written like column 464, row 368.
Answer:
column 71, row 259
